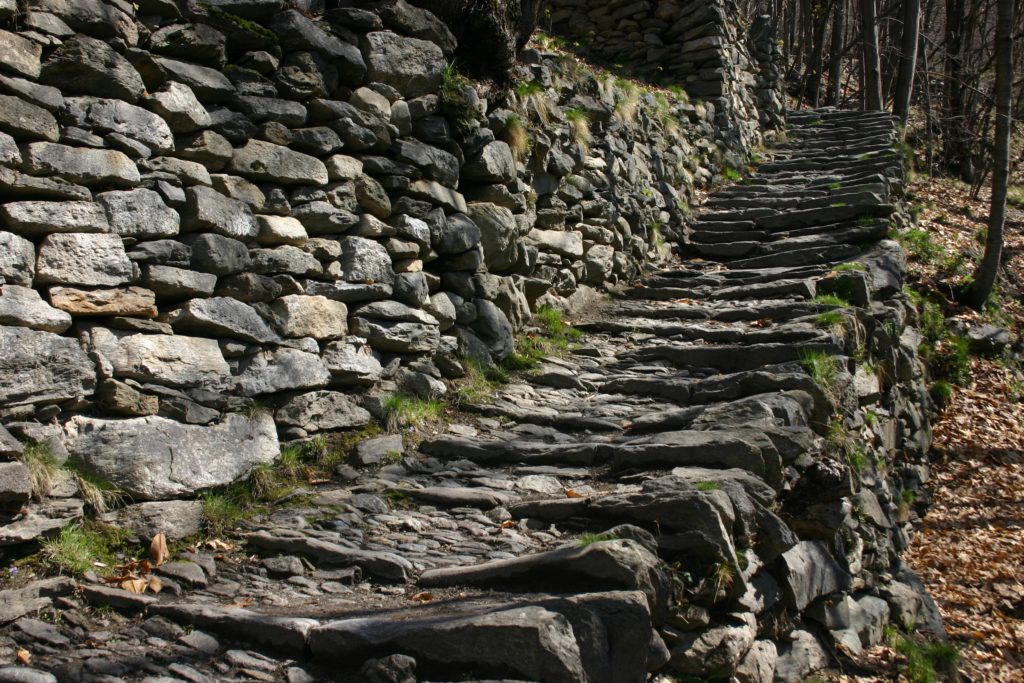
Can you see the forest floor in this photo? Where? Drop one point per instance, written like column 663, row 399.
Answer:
column 969, row 547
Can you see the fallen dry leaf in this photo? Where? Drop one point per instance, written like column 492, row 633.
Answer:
column 569, row 493
column 158, row 553
column 24, row 657
column 422, row 597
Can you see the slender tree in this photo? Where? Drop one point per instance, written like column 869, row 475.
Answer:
column 987, row 271
column 872, row 61
column 835, row 63
column 908, row 59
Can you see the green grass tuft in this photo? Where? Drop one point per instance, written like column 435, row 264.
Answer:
column 402, row 410
column 590, row 538
column 80, row 547
column 709, row 486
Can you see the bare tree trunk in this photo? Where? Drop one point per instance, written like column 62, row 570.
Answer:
column 812, row 77
column 955, row 149
column 988, row 270
column 835, row 66
column 872, row 62
column 928, row 107
column 908, row 59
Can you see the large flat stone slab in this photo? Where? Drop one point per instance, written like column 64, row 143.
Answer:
column 153, row 458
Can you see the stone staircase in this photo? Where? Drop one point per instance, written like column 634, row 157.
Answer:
column 679, row 495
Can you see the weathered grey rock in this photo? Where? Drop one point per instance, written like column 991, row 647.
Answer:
column 364, row 260
column 296, row 32
column 209, row 85
column 188, row 173
column 180, row 108
column 410, row 65
column 284, row 369
column 322, row 410
column 341, row 167
column 175, row 360
column 373, row 451
column 208, row 209
column 436, row 193
column 199, row 42
column 41, row 521
column 351, row 364
column 40, row 367
column 498, row 234
column 139, row 213
column 17, row 259
column 285, row 260
column 759, row 664
column 372, row 197
column 153, row 458
column 809, row 572
column 310, row 316
column 23, row 307
column 15, row 484
column 569, row 244
column 20, row 55
column 80, row 165
column 11, row 674
column 802, row 655
column 17, row 602
column 214, row 151
column 128, row 301
column 398, row 337
column 114, row 116
column 528, row 642
column 87, row 66
column 388, row 566
column 275, row 230
column 285, row 634
column 168, row 282
column 91, row 16
column 36, row 219
column 219, row 255
column 613, row 564
column 90, row 259
column 222, row 317
column 9, row 152
column 265, row 161
column 494, row 164
column 26, row 121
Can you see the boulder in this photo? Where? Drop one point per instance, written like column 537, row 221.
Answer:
column 88, row 66
column 318, row 317
column 175, row 360
column 37, row 219
column 17, row 259
column 23, row 307
column 15, row 485
column 523, row 642
column 219, row 255
column 20, row 55
column 168, row 282
column 351, row 364
column 90, row 259
column 283, row 369
column 494, row 164
column 81, row 165
column 41, row 367
column 26, row 121
column 809, row 572
column 198, row 42
column 114, row 116
column 297, row 32
column 208, row 209
column 153, row 458
column 139, row 213
column 603, row 565
column 322, row 410
column 222, row 317
column 267, row 162
column 364, row 260
column 410, row 65
column 180, row 108
column 498, row 234
column 568, row 244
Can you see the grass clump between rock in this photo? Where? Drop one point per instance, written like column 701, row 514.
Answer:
column 403, row 410
column 553, row 337
column 591, row 538
column 80, row 547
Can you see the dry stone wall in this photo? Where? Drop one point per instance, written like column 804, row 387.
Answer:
column 701, row 46
column 230, row 224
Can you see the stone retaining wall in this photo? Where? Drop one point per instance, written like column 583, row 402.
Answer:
column 219, row 212
column 699, row 45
